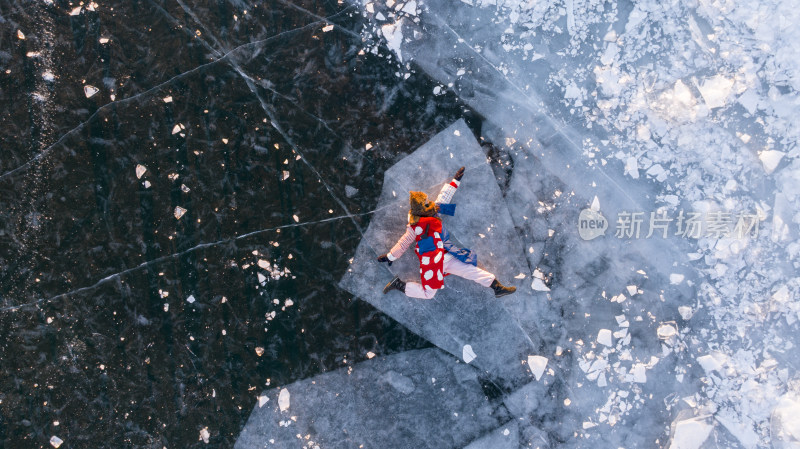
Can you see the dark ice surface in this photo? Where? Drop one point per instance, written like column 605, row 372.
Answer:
column 120, row 322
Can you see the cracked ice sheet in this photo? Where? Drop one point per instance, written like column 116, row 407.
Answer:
column 386, row 402
column 504, row 437
column 463, row 312
column 546, row 156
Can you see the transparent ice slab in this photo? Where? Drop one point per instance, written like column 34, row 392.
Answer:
column 416, row 399
column 463, row 313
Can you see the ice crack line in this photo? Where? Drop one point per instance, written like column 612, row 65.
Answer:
column 555, row 124
column 182, row 253
column 273, row 120
column 153, row 89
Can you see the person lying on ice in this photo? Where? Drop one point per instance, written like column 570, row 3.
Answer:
column 437, row 256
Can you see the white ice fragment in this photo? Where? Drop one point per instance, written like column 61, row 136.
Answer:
column 48, row 76
column 259, row 350
column 539, row 285
column 437, row 90
column 632, row 167
column 506, row 432
column 204, row 435
column 604, row 337
column 595, row 206
column 468, row 354
column 327, row 28
column 104, row 40
column 90, row 90
column 262, row 400
column 712, row 362
column 715, row 91
column 140, row 170
column 667, row 330
column 770, row 159
column 520, row 276
column 185, row 188
column 179, row 211
column 409, row 7
column 177, row 128
column 350, row 191
column 611, row 52
column 288, row 303
column 167, row 99
column 262, row 279
column 283, row 400
column 572, row 91
column 632, row 289
column 639, row 372
column 370, row 354
column 76, row 11
column 741, row 430
column 190, row 299
column 686, row 312
column 147, row 184
column 749, row 99
column 601, row 380
column 56, row 441
column 285, row 175
column 263, row 264
column 785, row 421
column 690, row 433
column 296, row 218
column 675, row 278
column 368, row 146
column 457, row 133
column 537, row 364
column 393, row 32
column 20, row 35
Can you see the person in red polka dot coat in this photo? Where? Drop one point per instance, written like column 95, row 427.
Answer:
column 437, row 256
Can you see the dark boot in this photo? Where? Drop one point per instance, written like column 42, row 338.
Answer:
column 501, row 290
column 395, row 284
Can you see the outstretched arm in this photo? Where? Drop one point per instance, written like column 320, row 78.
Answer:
column 449, row 189
column 402, row 245
column 399, row 248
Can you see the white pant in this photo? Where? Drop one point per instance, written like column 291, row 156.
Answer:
column 456, row 267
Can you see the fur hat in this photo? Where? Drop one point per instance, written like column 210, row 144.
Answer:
column 420, row 206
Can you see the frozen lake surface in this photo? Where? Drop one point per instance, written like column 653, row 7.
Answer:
column 194, row 195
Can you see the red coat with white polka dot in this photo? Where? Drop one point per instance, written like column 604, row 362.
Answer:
column 431, row 263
